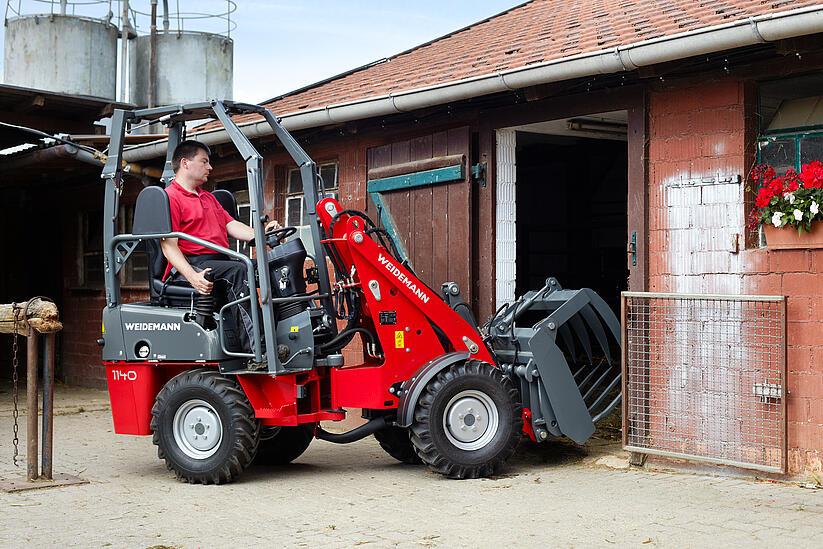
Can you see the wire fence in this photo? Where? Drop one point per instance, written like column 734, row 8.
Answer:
column 705, row 377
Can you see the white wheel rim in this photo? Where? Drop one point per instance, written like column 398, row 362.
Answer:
column 471, row 420
column 197, row 429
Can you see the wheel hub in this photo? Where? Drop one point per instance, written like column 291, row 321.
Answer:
column 197, row 429
column 471, row 420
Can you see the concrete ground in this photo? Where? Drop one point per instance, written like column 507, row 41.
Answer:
column 355, row 495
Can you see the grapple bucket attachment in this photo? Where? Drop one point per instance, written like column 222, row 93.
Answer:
column 559, row 346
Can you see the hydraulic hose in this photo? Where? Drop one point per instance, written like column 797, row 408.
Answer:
column 345, row 337
column 363, row 431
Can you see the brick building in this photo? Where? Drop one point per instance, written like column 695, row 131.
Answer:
column 579, row 128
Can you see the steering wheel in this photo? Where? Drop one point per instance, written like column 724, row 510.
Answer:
column 273, row 238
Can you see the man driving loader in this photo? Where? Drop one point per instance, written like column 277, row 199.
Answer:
column 197, row 212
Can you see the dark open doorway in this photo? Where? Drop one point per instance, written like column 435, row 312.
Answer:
column 572, row 213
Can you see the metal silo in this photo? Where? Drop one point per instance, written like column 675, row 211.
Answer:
column 191, row 66
column 61, row 53
column 176, row 64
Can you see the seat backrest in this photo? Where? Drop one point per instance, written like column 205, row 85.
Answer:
column 152, row 215
column 226, row 199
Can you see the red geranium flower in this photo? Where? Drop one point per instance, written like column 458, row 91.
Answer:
column 776, row 185
column 812, row 175
column 764, row 196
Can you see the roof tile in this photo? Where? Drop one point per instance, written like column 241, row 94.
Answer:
column 542, row 30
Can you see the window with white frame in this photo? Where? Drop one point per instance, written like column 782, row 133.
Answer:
column 296, row 214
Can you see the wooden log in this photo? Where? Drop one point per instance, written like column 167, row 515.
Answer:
column 41, row 316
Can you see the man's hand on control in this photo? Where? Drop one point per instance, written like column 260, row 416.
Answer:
column 198, row 282
column 272, row 225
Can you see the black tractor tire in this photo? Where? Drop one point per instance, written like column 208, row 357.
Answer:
column 450, row 446
column 396, row 442
column 194, row 405
column 282, row 445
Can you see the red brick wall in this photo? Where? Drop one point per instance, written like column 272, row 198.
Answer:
column 798, row 274
column 703, row 131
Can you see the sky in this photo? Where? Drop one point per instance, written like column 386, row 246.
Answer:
column 282, row 45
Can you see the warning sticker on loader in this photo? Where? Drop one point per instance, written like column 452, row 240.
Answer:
column 399, row 339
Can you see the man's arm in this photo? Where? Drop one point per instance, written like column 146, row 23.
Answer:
column 174, row 256
column 241, row 231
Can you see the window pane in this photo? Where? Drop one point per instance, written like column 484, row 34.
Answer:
column 241, row 197
column 294, row 211
column 245, row 214
column 329, row 174
column 811, row 149
column 93, row 270
column 295, row 183
column 305, row 217
column 93, row 231
column 138, row 273
column 779, row 154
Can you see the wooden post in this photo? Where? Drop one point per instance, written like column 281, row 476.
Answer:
column 32, row 407
column 48, row 406
column 36, row 316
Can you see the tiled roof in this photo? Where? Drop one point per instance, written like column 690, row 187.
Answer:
column 536, row 32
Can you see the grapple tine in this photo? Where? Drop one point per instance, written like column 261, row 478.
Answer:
column 605, row 313
column 596, row 327
column 583, row 335
column 568, row 340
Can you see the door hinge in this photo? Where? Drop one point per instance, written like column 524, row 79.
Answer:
column 479, row 173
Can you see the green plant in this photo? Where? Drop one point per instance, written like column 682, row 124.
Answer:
column 790, row 200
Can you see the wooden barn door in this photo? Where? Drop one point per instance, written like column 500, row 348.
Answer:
column 421, row 189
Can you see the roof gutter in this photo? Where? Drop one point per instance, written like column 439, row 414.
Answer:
column 756, row 30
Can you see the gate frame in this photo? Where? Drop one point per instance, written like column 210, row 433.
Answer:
column 782, row 368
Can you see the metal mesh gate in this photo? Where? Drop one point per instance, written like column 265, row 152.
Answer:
column 704, row 378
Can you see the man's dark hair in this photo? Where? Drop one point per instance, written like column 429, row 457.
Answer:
column 187, row 149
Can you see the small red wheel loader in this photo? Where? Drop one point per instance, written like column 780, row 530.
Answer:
column 435, row 387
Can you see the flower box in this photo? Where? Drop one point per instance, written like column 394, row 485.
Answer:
column 789, row 207
column 788, row 238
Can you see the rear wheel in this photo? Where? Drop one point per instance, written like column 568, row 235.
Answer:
column 395, row 441
column 204, row 427
column 282, row 445
column 467, row 422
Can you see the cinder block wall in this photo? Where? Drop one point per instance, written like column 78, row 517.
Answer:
column 703, row 131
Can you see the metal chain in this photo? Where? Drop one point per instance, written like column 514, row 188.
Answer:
column 15, row 362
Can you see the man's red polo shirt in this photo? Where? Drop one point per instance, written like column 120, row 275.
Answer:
column 197, row 214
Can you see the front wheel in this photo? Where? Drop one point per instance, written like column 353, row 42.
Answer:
column 204, row 427
column 467, row 422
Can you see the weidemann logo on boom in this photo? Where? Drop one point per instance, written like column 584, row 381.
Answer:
column 153, row 326
column 402, row 278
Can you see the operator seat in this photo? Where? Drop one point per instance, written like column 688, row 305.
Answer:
column 152, row 215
